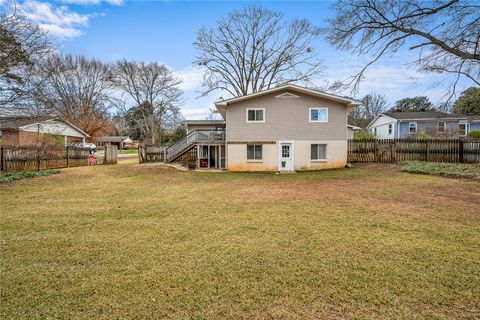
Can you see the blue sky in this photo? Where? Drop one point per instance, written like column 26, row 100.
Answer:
column 164, row 31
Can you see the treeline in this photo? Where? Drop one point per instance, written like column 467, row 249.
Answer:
column 35, row 80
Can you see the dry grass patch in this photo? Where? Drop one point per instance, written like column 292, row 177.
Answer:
column 131, row 241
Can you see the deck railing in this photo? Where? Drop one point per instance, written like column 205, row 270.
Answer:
column 194, row 137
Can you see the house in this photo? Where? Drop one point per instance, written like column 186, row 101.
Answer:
column 395, row 125
column 122, row 142
column 32, row 130
column 281, row 129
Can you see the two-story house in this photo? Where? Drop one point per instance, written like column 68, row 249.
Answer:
column 397, row 125
column 282, row 129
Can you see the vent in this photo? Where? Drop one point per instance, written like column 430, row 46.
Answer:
column 287, row 95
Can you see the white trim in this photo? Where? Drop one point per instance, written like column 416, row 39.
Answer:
column 467, row 128
column 317, row 108
column 292, row 153
column 416, row 127
column 293, row 88
column 444, row 126
column 254, row 121
column 254, row 144
column 376, row 118
column 318, row 160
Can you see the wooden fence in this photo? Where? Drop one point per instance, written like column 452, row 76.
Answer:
column 434, row 150
column 29, row 158
column 151, row 153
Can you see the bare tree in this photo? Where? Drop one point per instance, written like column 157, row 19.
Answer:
column 446, row 34
column 78, row 89
column 23, row 48
column 253, row 49
column 372, row 105
column 155, row 94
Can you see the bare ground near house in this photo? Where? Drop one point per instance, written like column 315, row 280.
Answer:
column 148, row 241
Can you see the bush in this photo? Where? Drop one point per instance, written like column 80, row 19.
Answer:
column 474, row 134
column 363, row 134
column 454, row 170
column 13, row 176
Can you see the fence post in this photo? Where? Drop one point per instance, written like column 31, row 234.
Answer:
column 375, row 151
column 426, row 151
column 460, row 151
column 66, row 155
column 38, row 157
column 1, row 159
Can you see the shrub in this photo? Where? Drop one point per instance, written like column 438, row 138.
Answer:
column 13, row 176
column 363, row 134
column 474, row 134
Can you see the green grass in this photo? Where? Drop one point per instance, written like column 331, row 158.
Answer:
column 455, row 170
column 133, row 151
column 13, row 176
column 144, row 242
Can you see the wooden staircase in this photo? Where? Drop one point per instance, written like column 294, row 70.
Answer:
column 191, row 140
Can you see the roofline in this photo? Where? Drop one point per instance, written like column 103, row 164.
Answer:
column 203, row 121
column 351, row 102
column 421, row 119
column 63, row 120
column 378, row 116
column 353, row 127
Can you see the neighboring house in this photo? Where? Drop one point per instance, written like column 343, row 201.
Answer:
column 33, row 130
column 395, row 125
column 122, row 142
column 282, row 129
column 351, row 130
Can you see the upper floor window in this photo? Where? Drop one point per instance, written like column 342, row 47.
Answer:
column 412, row 127
column 463, row 129
column 441, row 126
column 390, row 128
column 256, row 115
column 318, row 114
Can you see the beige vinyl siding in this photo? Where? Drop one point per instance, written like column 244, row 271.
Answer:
column 286, row 118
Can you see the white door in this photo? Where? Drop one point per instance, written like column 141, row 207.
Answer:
column 286, row 156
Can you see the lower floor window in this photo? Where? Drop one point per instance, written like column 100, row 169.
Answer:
column 254, row 152
column 319, row 152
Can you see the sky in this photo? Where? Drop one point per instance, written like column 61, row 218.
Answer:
column 164, row 31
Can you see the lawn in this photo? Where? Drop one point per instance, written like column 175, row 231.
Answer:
column 132, row 241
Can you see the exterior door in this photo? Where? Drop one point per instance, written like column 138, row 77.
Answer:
column 286, row 156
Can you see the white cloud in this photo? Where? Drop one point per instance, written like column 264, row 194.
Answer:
column 58, row 21
column 192, row 78
column 94, row 2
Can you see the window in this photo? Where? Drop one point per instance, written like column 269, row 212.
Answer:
column 203, row 152
column 254, row 152
column 390, row 128
column 375, row 131
column 318, row 114
column 441, row 126
column 412, row 127
column 285, row 151
column 318, row 151
column 256, row 115
column 463, row 129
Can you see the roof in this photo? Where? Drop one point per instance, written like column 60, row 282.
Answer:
column 112, row 139
column 418, row 115
column 15, row 123
column 291, row 87
column 470, row 117
column 204, row 122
